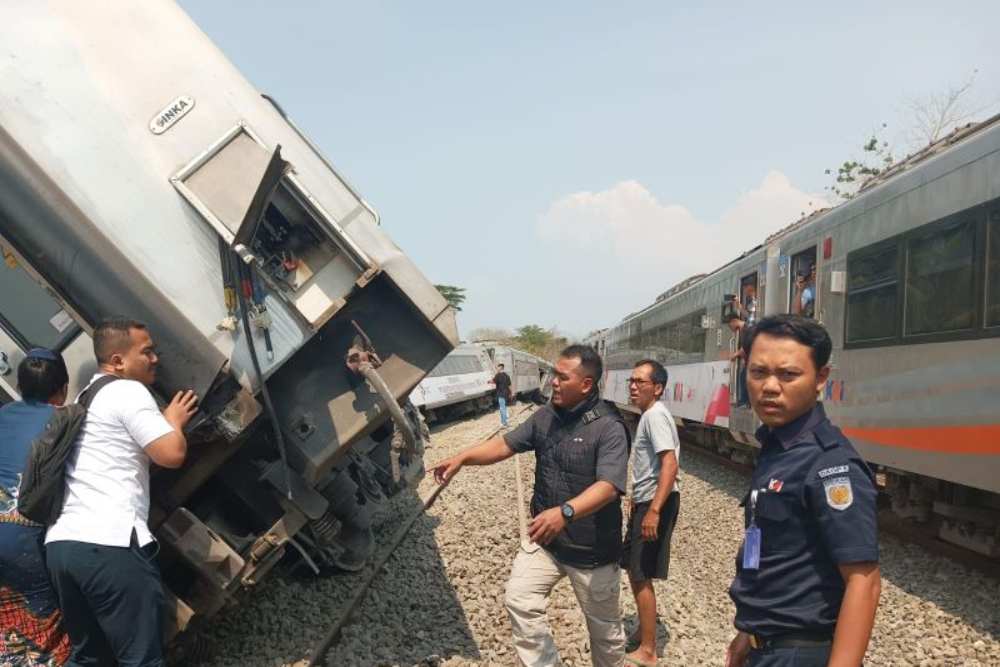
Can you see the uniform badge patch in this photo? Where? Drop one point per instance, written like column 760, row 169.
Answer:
column 839, row 494
column 775, row 485
column 835, row 470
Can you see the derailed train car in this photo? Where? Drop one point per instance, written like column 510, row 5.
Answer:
column 141, row 174
column 907, row 280
column 460, row 384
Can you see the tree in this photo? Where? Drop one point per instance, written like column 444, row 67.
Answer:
column 937, row 114
column 490, row 333
column 455, row 296
column 851, row 175
column 532, row 336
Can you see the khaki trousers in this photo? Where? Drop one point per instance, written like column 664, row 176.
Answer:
column 532, row 579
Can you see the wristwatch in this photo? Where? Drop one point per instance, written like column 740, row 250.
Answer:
column 568, row 512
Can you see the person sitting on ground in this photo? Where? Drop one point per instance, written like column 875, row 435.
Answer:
column 100, row 552
column 31, row 630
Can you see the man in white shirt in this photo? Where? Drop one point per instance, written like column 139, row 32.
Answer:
column 100, row 552
column 655, row 501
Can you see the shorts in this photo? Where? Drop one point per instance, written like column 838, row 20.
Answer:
column 650, row 560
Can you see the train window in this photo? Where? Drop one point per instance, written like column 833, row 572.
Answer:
column 803, row 285
column 681, row 340
column 872, row 294
column 940, row 280
column 748, row 297
column 993, row 270
column 28, row 312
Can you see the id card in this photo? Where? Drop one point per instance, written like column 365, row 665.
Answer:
column 751, row 548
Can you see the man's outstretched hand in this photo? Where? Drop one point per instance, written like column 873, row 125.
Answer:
column 445, row 470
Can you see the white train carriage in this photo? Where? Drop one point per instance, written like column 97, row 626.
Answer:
column 907, row 281
column 460, row 384
column 141, row 174
column 528, row 373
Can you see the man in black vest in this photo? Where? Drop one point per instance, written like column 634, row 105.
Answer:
column 581, row 453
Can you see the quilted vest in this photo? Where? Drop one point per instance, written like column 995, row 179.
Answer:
column 565, row 465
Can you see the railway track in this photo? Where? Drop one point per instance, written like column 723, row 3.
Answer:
column 889, row 524
column 318, row 655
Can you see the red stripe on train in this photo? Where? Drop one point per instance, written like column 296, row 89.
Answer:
column 984, row 439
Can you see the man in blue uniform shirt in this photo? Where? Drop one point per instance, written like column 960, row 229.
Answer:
column 807, row 578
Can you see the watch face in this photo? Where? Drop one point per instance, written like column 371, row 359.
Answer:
column 567, row 511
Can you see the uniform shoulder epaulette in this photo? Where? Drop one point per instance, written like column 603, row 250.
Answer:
column 827, row 435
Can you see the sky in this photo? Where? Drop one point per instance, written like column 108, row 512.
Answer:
column 565, row 162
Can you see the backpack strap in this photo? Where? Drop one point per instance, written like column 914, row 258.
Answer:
column 87, row 397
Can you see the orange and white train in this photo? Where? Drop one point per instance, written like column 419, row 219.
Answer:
column 907, row 281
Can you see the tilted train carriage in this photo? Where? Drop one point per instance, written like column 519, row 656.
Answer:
column 142, row 175
column 460, row 384
column 907, row 281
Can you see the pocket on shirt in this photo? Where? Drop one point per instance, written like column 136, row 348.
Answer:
column 775, row 518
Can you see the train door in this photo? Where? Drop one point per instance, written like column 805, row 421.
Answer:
column 29, row 317
column 803, row 298
column 750, row 303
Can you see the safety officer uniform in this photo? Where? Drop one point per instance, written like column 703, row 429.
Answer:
column 573, row 449
column 810, row 508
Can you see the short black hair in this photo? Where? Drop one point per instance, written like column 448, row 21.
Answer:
column 40, row 379
column 590, row 361
column 499, row 365
column 805, row 330
column 659, row 374
column 112, row 336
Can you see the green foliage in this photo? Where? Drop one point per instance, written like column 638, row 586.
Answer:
column 852, row 174
column 532, row 335
column 455, row 296
column 544, row 343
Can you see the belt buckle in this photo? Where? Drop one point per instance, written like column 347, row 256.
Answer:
column 755, row 642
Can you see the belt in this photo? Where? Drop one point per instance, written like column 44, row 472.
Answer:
column 792, row 640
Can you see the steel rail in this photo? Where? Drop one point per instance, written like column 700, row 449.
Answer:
column 334, row 634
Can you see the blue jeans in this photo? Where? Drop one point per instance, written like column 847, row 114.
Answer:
column 502, row 402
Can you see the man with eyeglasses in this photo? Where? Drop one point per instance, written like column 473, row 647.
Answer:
column 655, row 502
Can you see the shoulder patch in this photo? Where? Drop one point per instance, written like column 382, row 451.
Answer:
column 839, row 494
column 835, row 470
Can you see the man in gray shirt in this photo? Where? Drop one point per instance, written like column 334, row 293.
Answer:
column 655, row 500
column 581, row 461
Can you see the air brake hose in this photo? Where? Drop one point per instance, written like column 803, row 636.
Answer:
column 247, row 270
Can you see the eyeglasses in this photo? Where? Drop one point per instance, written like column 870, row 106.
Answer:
column 638, row 381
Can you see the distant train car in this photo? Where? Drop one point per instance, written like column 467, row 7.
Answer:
column 457, row 386
column 527, row 372
column 906, row 278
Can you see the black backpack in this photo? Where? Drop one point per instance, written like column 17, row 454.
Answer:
column 43, row 485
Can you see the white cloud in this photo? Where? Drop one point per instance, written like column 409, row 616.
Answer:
column 637, row 235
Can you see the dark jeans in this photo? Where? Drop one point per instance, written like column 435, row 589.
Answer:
column 112, row 602
column 806, row 656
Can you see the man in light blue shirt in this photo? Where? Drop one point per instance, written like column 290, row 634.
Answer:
column 655, row 500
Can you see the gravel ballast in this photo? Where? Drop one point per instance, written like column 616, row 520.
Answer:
column 439, row 599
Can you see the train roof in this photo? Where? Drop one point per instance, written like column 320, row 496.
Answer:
column 893, row 171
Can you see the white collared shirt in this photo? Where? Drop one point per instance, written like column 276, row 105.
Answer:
column 107, row 477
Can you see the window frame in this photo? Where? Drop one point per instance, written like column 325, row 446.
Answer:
column 978, row 217
column 899, row 279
